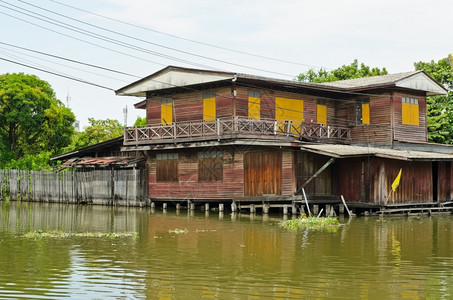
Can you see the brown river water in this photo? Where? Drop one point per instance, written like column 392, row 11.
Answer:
column 217, row 256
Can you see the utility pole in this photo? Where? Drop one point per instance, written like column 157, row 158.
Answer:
column 125, row 115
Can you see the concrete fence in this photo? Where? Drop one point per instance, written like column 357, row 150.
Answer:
column 107, row 187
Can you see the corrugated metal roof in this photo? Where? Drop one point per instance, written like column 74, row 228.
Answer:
column 174, row 77
column 102, row 161
column 417, row 80
column 345, row 151
column 370, row 81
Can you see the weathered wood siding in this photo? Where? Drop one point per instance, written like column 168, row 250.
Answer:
column 233, row 183
column 445, row 181
column 416, row 185
column 379, row 130
column 267, row 104
column 410, row 133
column 188, row 186
column 153, row 111
column 188, row 106
column 350, row 178
column 385, row 120
column 242, row 96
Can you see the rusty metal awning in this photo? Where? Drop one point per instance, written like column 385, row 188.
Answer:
column 347, row 151
column 103, row 162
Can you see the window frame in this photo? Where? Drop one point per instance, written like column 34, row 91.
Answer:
column 362, row 111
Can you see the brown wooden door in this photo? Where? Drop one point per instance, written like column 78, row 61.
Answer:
column 262, row 173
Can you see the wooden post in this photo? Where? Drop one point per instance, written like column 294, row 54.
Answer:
column 252, row 208
column 192, row 206
column 153, row 205
column 315, row 209
column 293, row 208
column 112, row 186
column 327, row 210
column 234, row 207
column 265, row 208
column 218, row 126
column 285, row 210
column 341, row 209
column 206, row 207
column 344, row 202
column 306, row 202
column 221, row 208
column 74, row 184
column 178, row 206
column 164, row 205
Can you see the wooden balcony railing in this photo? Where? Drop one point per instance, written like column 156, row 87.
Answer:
column 237, row 125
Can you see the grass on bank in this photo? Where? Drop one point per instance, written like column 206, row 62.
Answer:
column 61, row 234
column 311, row 223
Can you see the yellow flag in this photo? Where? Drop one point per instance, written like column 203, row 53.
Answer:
column 396, row 182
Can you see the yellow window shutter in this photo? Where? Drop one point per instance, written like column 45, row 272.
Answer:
column 166, row 111
column 254, row 108
column 321, row 114
column 209, row 110
column 365, row 113
column 289, row 110
column 405, row 112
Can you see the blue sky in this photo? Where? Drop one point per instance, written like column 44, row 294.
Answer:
column 307, row 34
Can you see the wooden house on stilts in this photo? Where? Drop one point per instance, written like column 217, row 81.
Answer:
column 220, row 136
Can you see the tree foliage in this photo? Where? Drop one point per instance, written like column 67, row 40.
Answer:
column 342, row 73
column 439, row 108
column 98, row 131
column 33, row 123
column 140, row 121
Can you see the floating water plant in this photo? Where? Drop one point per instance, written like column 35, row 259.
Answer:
column 311, row 223
column 61, row 234
column 178, row 231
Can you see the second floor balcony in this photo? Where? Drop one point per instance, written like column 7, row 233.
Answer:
column 236, row 127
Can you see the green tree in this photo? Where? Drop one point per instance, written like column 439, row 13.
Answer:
column 344, row 72
column 439, row 108
column 140, row 121
column 98, row 131
column 33, row 123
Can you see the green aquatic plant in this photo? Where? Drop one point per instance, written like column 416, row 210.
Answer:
column 61, row 234
column 327, row 223
column 178, row 231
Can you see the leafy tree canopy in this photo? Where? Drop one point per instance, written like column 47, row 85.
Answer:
column 344, row 72
column 439, row 108
column 98, row 131
column 140, row 121
column 33, row 121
